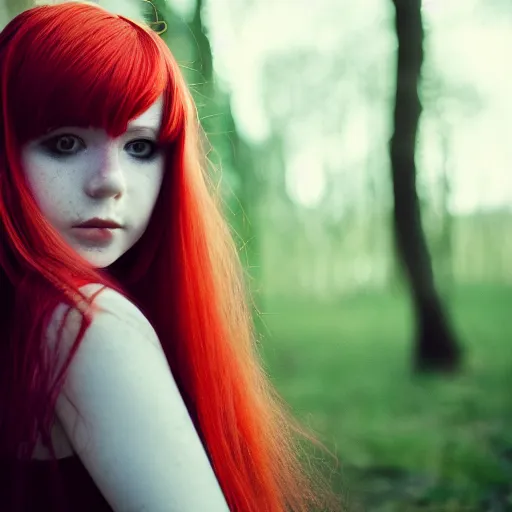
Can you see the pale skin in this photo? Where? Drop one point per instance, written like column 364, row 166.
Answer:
column 128, row 422
column 77, row 174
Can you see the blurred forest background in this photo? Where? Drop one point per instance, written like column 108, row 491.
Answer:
column 375, row 239
column 388, row 333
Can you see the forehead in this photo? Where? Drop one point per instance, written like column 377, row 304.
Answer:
column 151, row 118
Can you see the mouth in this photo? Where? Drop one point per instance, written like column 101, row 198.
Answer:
column 96, row 231
column 97, row 223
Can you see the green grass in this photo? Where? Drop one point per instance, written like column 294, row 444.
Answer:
column 404, row 442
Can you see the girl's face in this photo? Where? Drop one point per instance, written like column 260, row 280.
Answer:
column 98, row 192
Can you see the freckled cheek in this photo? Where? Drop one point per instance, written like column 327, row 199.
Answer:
column 55, row 195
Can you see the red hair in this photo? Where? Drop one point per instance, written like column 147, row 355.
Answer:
column 78, row 65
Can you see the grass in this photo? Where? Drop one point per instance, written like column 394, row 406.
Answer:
column 404, row 442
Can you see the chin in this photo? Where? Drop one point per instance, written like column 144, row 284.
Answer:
column 99, row 259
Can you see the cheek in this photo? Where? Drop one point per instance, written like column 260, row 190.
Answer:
column 148, row 188
column 52, row 192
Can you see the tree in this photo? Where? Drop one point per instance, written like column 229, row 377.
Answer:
column 436, row 347
column 229, row 151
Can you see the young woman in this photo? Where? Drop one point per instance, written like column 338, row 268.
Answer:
column 128, row 376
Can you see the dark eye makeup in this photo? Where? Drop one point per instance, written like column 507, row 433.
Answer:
column 63, row 145
column 142, row 149
column 66, row 145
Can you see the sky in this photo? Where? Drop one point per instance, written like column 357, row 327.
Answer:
column 467, row 45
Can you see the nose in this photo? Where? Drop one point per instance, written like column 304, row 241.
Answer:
column 106, row 179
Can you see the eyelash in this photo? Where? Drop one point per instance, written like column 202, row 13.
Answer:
column 153, row 149
column 50, row 146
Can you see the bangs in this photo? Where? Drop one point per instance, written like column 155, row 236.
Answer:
column 80, row 65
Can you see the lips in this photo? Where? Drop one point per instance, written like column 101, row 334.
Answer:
column 96, row 231
column 98, row 224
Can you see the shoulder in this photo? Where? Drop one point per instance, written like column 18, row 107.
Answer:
column 113, row 314
column 124, row 415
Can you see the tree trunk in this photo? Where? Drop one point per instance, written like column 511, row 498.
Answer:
column 436, row 348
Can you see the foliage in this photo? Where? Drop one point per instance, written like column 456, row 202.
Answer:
column 405, row 443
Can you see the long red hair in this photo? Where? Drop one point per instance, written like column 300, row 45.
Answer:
column 76, row 64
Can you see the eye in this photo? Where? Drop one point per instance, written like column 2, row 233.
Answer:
column 141, row 148
column 64, row 145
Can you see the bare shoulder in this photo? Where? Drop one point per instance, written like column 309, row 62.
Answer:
column 125, row 417
column 114, row 313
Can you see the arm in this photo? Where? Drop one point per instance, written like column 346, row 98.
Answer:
column 130, row 427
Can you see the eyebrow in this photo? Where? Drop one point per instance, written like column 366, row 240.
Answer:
column 153, row 130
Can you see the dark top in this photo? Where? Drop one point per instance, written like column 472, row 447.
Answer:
column 44, row 486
